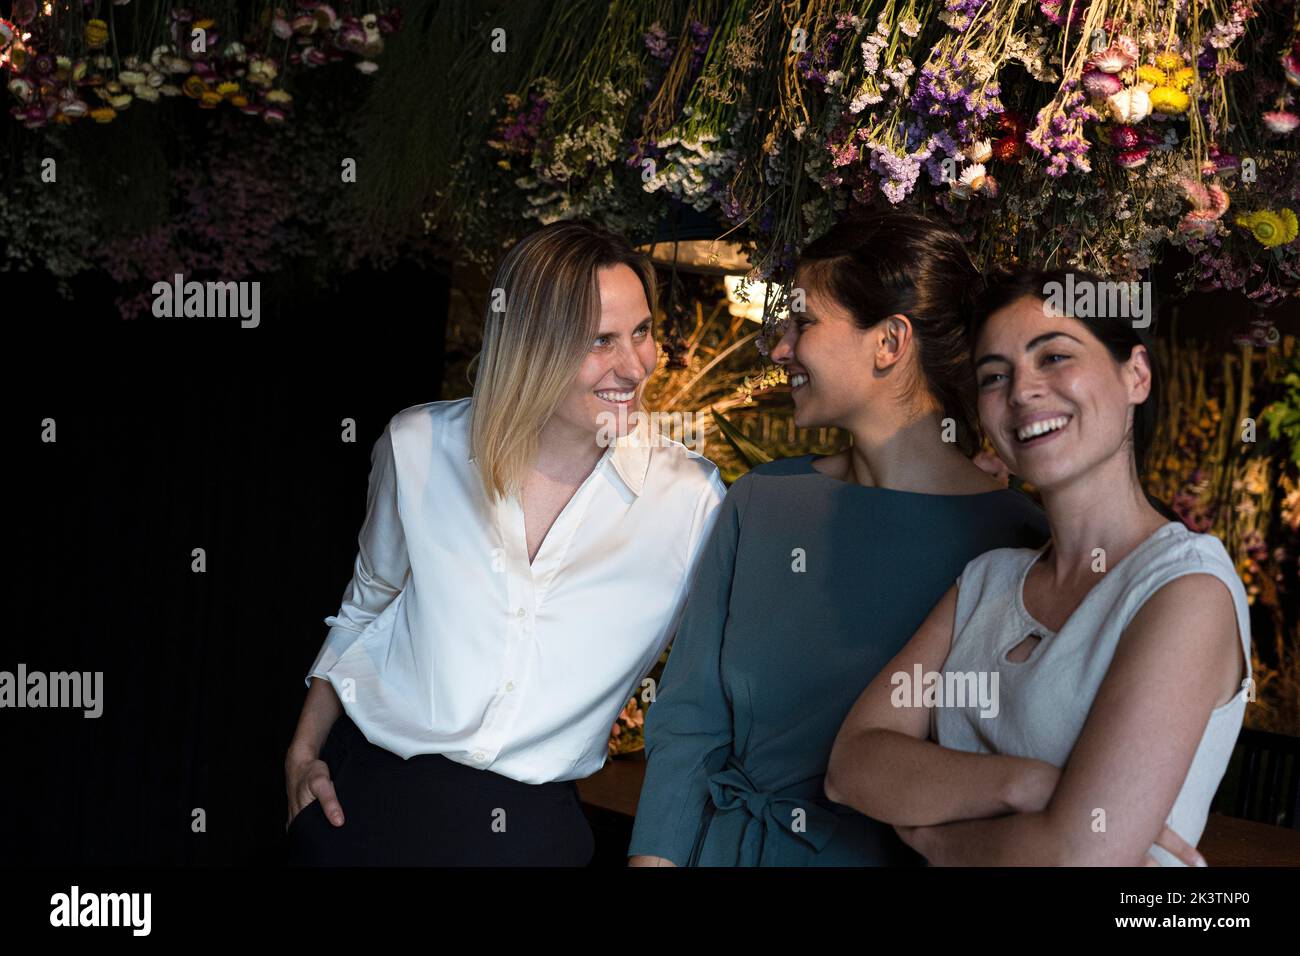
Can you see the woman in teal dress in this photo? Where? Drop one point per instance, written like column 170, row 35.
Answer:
column 819, row 570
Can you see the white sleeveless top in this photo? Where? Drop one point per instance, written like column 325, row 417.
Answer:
column 1045, row 699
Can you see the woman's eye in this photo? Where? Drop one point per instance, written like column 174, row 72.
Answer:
column 601, row 341
column 1056, row 355
column 991, row 378
column 643, row 331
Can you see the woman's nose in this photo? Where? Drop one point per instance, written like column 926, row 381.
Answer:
column 1028, row 386
column 783, row 351
column 628, row 367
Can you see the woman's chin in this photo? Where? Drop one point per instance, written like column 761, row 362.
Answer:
column 807, row 420
column 803, row 416
column 1041, row 475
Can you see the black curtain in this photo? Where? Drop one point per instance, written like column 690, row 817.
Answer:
column 173, row 435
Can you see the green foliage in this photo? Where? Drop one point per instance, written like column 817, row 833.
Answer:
column 1283, row 416
column 750, row 452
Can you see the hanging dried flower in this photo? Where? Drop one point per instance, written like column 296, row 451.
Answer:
column 1166, row 99
column 1290, row 67
column 1270, row 229
column 1281, row 121
column 96, row 35
column 1209, row 202
column 22, row 89
column 1169, row 61
column 1120, row 55
column 980, row 151
column 1131, row 105
column 1101, row 84
column 1124, row 137
column 1133, row 158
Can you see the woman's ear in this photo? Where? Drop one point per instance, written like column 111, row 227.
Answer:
column 1139, row 365
column 895, row 336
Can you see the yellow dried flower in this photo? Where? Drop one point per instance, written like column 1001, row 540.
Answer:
column 103, row 114
column 1183, row 78
column 1270, row 228
column 1169, row 60
column 1149, row 74
column 96, row 35
column 1166, row 99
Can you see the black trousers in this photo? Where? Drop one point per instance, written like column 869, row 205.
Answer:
column 431, row 811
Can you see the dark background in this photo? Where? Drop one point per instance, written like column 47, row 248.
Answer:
column 175, row 434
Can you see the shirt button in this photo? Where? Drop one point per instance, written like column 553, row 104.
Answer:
column 521, row 613
column 510, row 685
column 479, row 756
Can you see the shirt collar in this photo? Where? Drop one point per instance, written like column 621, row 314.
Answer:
column 630, row 456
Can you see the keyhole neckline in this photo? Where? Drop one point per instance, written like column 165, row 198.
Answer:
column 1038, row 626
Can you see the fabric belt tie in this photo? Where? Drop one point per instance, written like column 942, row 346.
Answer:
column 732, row 789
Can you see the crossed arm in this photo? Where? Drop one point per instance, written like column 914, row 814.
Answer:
column 1168, row 672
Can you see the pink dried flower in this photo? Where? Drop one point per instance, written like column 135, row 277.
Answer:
column 1291, row 67
column 1281, row 121
column 1101, row 83
column 1124, row 137
column 1133, row 158
column 1120, row 55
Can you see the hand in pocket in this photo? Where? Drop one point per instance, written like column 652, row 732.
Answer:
column 307, row 780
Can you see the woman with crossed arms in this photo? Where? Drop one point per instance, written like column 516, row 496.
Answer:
column 1121, row 645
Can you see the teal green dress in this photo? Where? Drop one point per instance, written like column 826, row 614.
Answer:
column 806, row 588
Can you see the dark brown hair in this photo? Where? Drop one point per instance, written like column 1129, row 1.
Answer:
column 896, row 261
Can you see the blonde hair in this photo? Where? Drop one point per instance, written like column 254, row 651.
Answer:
column 548, row 291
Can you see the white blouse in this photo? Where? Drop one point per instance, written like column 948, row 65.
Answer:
column 449, row 642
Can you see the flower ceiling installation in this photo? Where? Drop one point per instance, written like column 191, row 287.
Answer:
column 195, row 184
column 67, row 60
column 1090, row 134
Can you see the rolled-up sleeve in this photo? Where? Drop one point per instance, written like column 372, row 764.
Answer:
column 688, row 728
column 381, row 564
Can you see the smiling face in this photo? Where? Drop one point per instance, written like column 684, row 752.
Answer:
column 829, row 361
column 610, row 384
column 1053, row 400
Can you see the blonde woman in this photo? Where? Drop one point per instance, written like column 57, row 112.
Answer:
column 523, row 563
